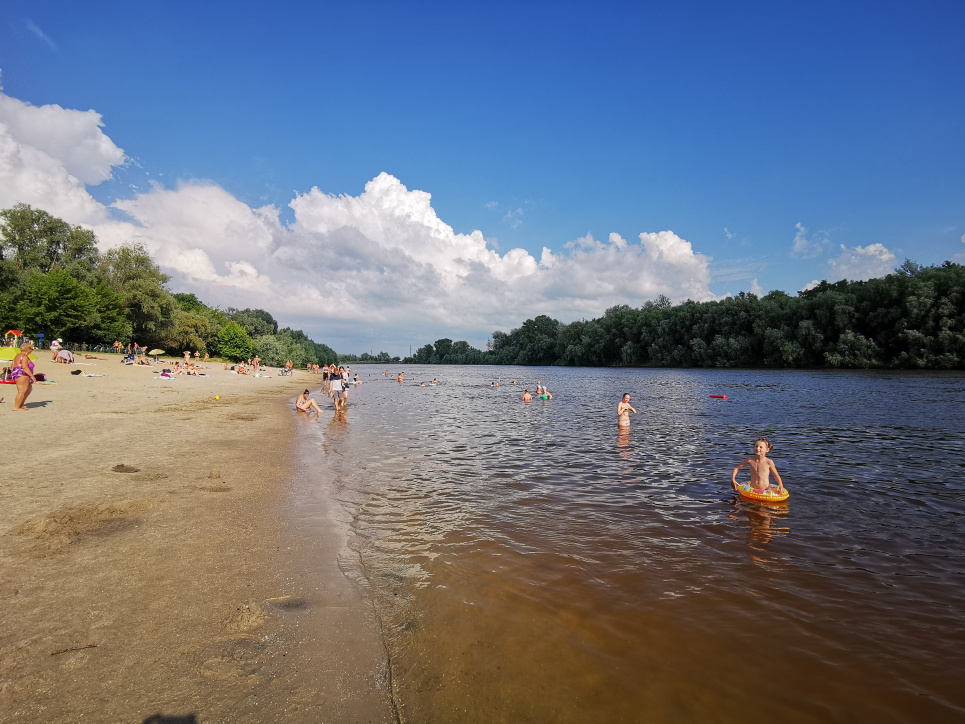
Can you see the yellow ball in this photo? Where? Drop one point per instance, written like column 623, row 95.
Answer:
column 217, row 397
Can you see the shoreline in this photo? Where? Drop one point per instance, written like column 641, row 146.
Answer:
column 148, row 563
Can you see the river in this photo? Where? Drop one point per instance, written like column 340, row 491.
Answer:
column 533, row 563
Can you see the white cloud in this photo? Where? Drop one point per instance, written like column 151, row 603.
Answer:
column 806, row 248
column 514, row 218
column 810, row 285
column 380, row 267
column 48, row 155
column 35, row 29
column 757, row 289
column 729, row 234
column 861, row 263
column 960, row 256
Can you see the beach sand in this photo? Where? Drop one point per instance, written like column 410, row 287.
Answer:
column 149, row 563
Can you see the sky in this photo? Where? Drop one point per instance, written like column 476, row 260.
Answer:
column 384, row 174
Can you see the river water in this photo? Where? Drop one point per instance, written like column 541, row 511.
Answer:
column 533, row 563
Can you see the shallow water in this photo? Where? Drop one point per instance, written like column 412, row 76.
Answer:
column 531, row 563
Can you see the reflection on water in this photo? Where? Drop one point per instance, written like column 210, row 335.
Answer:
column 533, row 562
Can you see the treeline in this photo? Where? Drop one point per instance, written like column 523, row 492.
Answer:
column 54, row 281
column 366, row 358
column 911, row 319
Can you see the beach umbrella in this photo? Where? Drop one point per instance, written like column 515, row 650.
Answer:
column 8, row 353
column 156, row 351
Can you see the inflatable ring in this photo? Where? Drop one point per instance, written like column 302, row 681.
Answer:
column 768, row 496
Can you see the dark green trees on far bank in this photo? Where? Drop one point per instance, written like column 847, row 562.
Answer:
column 911, row 319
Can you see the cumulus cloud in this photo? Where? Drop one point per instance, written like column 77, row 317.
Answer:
column 808, row 248
column 49, row 155
column 377, row 268
column 757, row 289
column 861, row 263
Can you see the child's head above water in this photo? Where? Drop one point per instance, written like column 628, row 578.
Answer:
column 764, row 444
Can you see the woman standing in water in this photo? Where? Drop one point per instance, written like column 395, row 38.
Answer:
column 624, row 410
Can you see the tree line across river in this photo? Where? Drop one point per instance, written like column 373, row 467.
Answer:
column 913, row 318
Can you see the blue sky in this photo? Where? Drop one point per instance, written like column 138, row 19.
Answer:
column 780, row 144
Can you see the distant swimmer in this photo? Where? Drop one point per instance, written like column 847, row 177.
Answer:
column 624, row 410
column 304, row 403
column 539, row 388
column 399, row 378
column 526, row 396
column 761, row 467
column 422, row 384
column 545, row 394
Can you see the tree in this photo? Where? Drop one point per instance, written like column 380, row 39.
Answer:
column 139, row 282
column 235, row 343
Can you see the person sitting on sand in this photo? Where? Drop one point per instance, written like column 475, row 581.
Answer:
column 142, row 360
column 526, row 396
column 242, row 369
column 624, row 410
column 64, row 356
column 761, row 467
column 304, row 403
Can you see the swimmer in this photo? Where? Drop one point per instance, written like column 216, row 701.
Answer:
column 539, row 388
column 526, row 396
column 304, row 403
column 624, row 410
column 422, row 384
column 761, row 467
column 400, row 377
column 545, row 394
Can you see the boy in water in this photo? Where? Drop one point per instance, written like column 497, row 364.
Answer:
column 761, row 468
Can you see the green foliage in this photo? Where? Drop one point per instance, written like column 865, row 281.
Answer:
column 235, row 343
column 140, row 284
column 257, row 322
column 54, row 281
column 913, row 318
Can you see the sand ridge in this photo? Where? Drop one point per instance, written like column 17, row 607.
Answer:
column 145, row 565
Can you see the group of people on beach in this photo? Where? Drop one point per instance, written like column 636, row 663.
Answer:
column 335, row 383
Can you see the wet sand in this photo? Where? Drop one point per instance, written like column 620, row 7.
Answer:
column 151, row 561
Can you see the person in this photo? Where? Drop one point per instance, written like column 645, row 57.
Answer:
column 539, row 388
column 526, row 396
column 422, row 384
column 761, row 467
column 305, row 403
column 256, row 363
column 545, row 394
column 335, row 379
column 64, row 356
column 399, row 378
column 117, row 346
column 55, row 348
column 22, row 372
column 187, row 356
column 624, row 409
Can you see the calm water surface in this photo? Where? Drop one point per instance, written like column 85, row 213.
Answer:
column 531, row 563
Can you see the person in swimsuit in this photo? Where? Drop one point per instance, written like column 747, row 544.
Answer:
column 624, row 410
column 526, row 396
column 22, row 371
column 761, row 467
column 304, row 403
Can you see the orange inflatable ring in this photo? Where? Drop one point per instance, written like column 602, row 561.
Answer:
column 770, row 495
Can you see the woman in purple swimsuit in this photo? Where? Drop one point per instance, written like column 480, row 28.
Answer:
column 22, row 370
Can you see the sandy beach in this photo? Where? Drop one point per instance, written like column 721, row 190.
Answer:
column 150, row 564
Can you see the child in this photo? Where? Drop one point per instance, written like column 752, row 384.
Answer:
column 761, row 467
